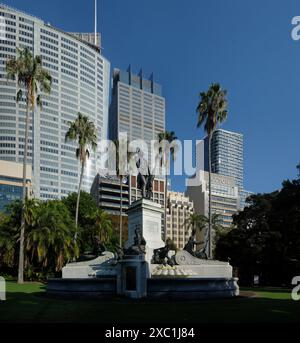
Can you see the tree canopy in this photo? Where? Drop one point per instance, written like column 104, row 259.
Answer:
column 265, row 237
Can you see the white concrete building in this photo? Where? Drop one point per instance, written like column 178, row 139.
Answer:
column 179, row 208
column 80, row 84
column 225, row 197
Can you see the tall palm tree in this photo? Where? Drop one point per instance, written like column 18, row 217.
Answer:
column 195, row 221
column 120, row 173
column 164, row 153
column 31, row 76
column 212, row 110
column 103, row 225
column 83, row 131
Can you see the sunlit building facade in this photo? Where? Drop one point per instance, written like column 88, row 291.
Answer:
column 179, row 209
column 225, row 196
column 11, row 183
column 80, row 84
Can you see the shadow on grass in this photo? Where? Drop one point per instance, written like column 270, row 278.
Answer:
column 267, row 289
column 38, row 307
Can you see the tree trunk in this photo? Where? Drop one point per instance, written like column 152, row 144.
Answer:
column 165, row 209
column 121, row 210
column 78, row 199
column 209, row 200
column 22, row 234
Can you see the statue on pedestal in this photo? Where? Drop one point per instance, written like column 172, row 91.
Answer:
column 97, row 250
column 161, row 255
column 189, row 247
column 144, row 178
column 139, row 245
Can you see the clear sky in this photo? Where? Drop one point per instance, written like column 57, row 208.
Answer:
column 187, row 44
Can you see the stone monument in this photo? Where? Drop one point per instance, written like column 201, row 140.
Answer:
column 145, row 216
column 147, row 266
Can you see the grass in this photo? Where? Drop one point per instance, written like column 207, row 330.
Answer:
column 29, row 303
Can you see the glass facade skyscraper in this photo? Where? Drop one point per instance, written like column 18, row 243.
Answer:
column 80, row 84
column 227, row 158
column 226, row 155
column 137, row 107
column 225, row 196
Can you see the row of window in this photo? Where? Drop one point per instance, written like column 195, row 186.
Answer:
column 49, row 33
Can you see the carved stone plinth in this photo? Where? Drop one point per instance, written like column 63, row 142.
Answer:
column 183, row 257
column 102, row 265
column 145, row 216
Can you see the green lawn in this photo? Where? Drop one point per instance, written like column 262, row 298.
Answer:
column 30, row 303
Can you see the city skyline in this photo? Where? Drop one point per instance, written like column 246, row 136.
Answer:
column 262, row 134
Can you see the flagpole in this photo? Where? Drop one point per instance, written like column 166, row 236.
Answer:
column 95, row 38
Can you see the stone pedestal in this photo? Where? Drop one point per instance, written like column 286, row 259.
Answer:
column 2, row 289
column 132, row 277
column 103, row 265
column 145, row 215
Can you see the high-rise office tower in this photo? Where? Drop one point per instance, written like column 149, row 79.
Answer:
column 225, row 197
column 227, row 158
column 226, row 155
column 137, row 107
column 80, row 84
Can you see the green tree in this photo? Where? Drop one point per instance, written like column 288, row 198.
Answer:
column 212, row 110
column 83, row 131
column 86, row 211
column 10, row 229
column 50, row 241
column 30, row 75
column 265, row 237
column 104, row 230
column 164, row 152
column 196, row 222
column 8, row 237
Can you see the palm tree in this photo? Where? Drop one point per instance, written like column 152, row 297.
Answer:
column 212, row 110
column 83, row 131
column 196, row 221
column 164, row 152
column 121, row 175
column 103, row 225
column 30, row 75
column 51, row 238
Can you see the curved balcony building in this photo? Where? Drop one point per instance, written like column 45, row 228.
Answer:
column 80, row 84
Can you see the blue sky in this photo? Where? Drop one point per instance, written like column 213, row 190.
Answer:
column 244, row 45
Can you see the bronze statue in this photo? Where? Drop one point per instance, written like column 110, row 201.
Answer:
column 99, row 247
column 160, row 255
column 139, row 245
column 144, row 178
column 119, row 253
column 189, row 247
column 97, row 250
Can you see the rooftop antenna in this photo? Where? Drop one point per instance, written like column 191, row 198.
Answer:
column 95, row 38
